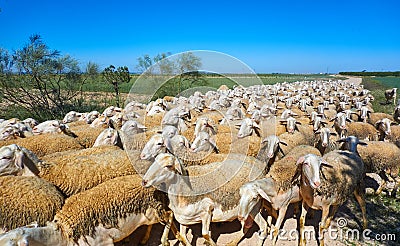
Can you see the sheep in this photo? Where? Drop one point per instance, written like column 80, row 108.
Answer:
column 362, row 130
column 16, row 160
column 24, row 200
column 203, row 142
column 50, row 126
column 71, row 117
column 101, row 122
column 102, row 215
column 132, row 127
column 86, row 135
column 108, row 136
column 375, row 117
column 75, row 171
column 190, row 197
column 46, row 144
column 383, row 127
column 382, row 158
column 91, row 116
column 204, row 124
column 276, row 188
column 395, row 136
column 391, row 95
column 324, row 143
column 396, row 113
column 342, row 174
column 290, row 123
column 340, row 123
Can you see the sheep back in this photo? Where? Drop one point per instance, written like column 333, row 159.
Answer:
column 81, row 170
column 86, row 135
column 362, row 131
column 107, row 203
column 380, row 156
column 285, row 169
column 340, row 180
column 45, row 144
column 24, row 200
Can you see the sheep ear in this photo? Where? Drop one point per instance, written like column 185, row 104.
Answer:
column 214, row 145
column 325, row 164
column 333, row 133
column 22, row 160
column 334, row 118
column 300, row 160
column 140, row 126
column 167, row 144
column 263, row 194
column 19, row 158
column 281, row 142
column 393, row 123
column 111, row 124
column 349, row 120
column 257, row 131
column 342, row 140
column 362, row 143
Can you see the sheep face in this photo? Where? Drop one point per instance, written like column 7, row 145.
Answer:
column 271, row 145
column 156, row 144
column 384, row 126
column 163, row 170
column 132, row 127
column 9, row 132
column 107, row 137
column 13, row 161
column 324, row 135
column 203, row 142
column 310, row 165
column 350, row 143
column 202, row 125
column 71, row 117
column 249, row 204
column 50, row 126
column 247, row 127
column 169, row 131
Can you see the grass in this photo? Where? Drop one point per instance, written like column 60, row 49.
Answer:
column 377, row 86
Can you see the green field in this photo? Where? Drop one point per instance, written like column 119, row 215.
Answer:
column 377, row 86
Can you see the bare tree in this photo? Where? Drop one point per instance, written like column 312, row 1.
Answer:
column 40, row 80
column 115, row 77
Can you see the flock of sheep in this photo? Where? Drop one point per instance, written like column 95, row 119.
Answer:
column 94, row 178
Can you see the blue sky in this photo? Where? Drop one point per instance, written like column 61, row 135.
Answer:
column 300, row 36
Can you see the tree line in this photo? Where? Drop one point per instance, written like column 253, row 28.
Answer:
column 377, row 74
column 42, row 83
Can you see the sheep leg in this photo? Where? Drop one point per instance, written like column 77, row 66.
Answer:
column 323, row 223
column 332, row 213
column 304, row 208
column 275, row 230
column 360, row 197
column 170, row 225
column 383, row 184
column 262, row 224
column 205, row 230
column 182, row 232
column 146, row 236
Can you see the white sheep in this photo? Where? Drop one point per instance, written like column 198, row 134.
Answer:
column 102, row 215
column 342, row 176
column 190, row 197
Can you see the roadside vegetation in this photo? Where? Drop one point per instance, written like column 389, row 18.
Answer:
column 377, row 86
